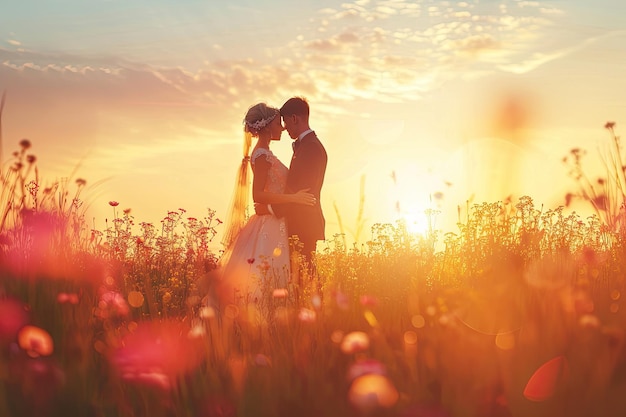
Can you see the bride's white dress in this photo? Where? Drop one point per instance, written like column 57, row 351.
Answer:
column 257, row 262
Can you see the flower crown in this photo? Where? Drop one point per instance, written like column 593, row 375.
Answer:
column 260, row 124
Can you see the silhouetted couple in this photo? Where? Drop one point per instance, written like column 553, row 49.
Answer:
column 276, row 244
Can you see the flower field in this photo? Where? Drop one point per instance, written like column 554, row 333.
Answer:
column 520, row 314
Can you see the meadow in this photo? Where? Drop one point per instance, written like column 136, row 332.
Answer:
column 520, row 314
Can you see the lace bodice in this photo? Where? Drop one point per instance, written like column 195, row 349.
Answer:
column 277, row 175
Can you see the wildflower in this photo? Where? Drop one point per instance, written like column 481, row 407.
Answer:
column 35, row 341
column 365, row 367
column 70, row 298
column 112, row 303
column 609, row 125
column 155, row 353
column 167, row 297
column 250, row 261
column 113, row 203
column 80, row 182
column 368, row 301
column 264, row 266
column 13, row 316
column 280, row 293
column 306, row 315
column 355, row 342
column 25, row 144
column 372, row 392
column 31, row 159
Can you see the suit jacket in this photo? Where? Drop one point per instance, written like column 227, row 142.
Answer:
column 306, row 170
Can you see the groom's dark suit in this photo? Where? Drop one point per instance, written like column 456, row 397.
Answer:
column 306, row 170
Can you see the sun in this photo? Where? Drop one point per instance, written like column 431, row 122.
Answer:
column 417, row 221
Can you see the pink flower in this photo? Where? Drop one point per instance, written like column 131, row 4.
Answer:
column 372, row 392
column 364, row 367
column 368, row 301
column 70, row 298
column 155, row 353
column 355, row 342
column 35, row 341
column 13, row 317
column 112, row 304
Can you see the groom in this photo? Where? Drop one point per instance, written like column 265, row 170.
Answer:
column 306, row 171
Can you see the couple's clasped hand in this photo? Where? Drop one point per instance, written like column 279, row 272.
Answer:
column 304, row 197
column 301, row 197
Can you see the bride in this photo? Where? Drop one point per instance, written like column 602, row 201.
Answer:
column 256, row 256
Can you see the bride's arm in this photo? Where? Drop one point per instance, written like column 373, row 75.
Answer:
column 259, row 195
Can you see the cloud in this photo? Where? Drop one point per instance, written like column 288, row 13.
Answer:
column 388, row 50
column 536, row 60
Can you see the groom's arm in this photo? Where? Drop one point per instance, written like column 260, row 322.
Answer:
column 305, row 173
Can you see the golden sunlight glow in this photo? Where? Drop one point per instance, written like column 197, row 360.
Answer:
column 417, row 222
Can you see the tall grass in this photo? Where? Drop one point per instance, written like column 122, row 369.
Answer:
column 520, row 314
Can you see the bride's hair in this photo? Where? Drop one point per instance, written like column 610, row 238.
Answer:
column 258, row 116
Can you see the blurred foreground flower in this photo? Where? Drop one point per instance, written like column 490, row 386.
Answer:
column 364, row 367
column 355, row 342
column 111, row 304
column 155, row 353
column 372, row 392
column 13, row 317
column 35, row 341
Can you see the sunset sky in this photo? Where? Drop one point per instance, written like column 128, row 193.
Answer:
column 433, row 102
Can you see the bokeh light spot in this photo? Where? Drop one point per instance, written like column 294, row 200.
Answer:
column 418, row 321
column 135, row 299
column 410, row 337
column 505, row 341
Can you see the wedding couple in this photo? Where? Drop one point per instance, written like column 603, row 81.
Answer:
column 286, row 201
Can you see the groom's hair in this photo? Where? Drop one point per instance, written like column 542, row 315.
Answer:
column 295, row 105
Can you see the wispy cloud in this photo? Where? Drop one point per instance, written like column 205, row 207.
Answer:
column 387, row 50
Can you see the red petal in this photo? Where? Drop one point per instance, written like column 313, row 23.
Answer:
column 543, row 383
